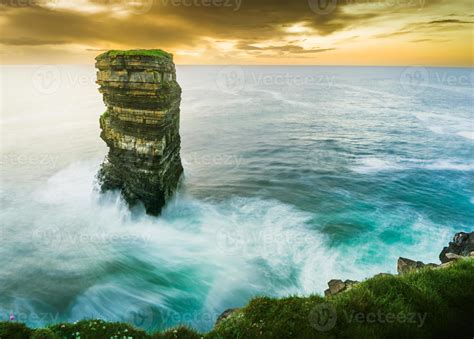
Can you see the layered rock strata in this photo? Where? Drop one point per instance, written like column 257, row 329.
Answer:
column 140, row 126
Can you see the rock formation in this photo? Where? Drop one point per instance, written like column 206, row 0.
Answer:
column 337, row 285
column 462, row 245
column 140, row 125
column 226, row 314
column 405, row 265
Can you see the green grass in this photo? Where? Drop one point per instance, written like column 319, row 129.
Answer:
column 139, row 52
column 429, row 303
column 106, row 114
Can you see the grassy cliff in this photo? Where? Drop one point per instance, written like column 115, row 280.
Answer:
column 428, row 303
column 157, row 53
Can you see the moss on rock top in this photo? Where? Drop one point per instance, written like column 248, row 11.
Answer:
column 157, row 53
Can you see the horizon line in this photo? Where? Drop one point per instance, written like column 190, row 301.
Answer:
column 265, row 65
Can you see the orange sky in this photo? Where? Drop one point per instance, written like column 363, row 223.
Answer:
column 318, row 32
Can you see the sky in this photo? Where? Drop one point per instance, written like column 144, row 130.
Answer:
column 306, row 32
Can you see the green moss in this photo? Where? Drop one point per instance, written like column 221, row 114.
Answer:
column 106, row 114
column 430, row 303
column 44, row 333
column 14, row 330
column 157, row 53
column 96, row 329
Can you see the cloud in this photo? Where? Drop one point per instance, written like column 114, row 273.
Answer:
column 166, row 22
column 25, row 41
column 253, row 27
column 448, row 21
column 291, row 49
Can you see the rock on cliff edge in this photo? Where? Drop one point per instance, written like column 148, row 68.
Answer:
column 140, row 126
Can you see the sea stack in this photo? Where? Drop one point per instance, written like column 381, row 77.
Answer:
column 140, row 126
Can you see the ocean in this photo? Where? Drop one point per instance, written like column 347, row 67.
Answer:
column 293, row 175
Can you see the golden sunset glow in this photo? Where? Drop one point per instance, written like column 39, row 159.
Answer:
column 333, row 32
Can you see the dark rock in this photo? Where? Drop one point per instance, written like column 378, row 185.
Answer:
column 462, row 245
column 405, row 265
column 140, row 126
column 337, row 286
column 226, row 314
column 452, row 256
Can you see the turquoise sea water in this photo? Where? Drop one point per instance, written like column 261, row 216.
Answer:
column 293, row 176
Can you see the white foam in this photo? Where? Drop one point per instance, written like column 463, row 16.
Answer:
column 450, row 165
column 467, row 134
column 223, row 252
column 373, row 165
column 446, row 123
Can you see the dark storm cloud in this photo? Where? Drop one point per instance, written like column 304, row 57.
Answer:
column 24, row 41
column 448, row 21
column 292, row 49
column 33, row 25
column 166, row 22
column 190, row 24
column 428, row 26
